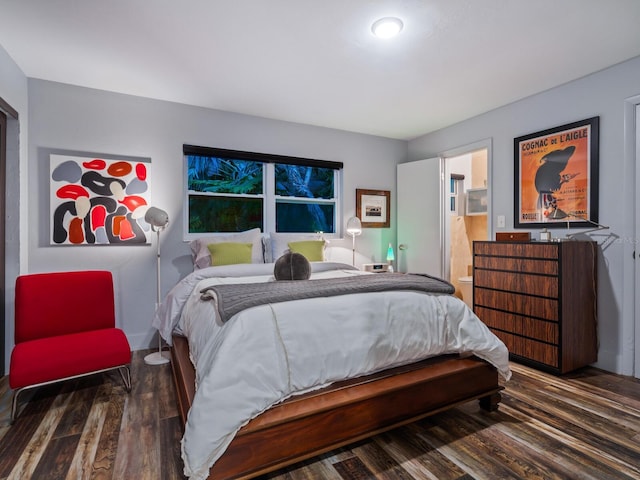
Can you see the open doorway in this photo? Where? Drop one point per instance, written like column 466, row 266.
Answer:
column 465, row 216
column 425, row 208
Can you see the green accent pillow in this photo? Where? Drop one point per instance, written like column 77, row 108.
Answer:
column 229, row 253
column 313, row 250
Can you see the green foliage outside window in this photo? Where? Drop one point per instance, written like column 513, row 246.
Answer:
column 228, row 195
column 224, row 214
column 302, row 181
column 304, row 217
column 223, row 175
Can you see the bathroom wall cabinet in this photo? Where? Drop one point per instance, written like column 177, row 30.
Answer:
column 539, row 298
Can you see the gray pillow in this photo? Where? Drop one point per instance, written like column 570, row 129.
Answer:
column 292, row 266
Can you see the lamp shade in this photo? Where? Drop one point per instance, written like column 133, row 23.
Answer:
column 156, row 217
column 354, row 226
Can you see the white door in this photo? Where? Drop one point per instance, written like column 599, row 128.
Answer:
column 420, row 211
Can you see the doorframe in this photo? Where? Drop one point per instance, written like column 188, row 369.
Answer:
column 486, row 144
column 9, row 114
column 630, row 361
column 3, row 182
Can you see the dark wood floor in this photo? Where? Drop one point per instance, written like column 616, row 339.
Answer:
column 584, row 426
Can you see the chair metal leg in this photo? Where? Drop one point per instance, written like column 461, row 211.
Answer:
column 14, row 404
column 125, row 373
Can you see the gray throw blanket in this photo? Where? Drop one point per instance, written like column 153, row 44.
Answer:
column 232, row 299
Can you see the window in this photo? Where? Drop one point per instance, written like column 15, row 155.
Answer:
column 224, row 194
column 232, row 191
column 456, row 184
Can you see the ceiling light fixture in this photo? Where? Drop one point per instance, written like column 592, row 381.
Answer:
column 387, row 27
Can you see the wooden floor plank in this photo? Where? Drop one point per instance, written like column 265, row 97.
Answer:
column 104, row 460
column 56, row 459
column 19, row 435
column 170, row 436
column 379, row 462
column 577, row 446
column 585, row 425
column 30, row 457
column 72, row 422
column 353, row 469
column 81, row 466
column 582, row 419
column 319, row 468
column 5, row 406
column 166, row 392
column 519, row 453
column 138, row 453
column 460, row 444
column 609, row 418
column 416, row 456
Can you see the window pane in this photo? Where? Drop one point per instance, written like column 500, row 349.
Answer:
column 304, row 217
column 224, row 175
column 306, row 182
column 224, row 214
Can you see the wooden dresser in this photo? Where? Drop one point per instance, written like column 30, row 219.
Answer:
column 539, row 298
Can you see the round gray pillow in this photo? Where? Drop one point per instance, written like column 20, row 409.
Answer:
column 292, row 266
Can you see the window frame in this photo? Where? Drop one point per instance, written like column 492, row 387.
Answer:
column 270, row 199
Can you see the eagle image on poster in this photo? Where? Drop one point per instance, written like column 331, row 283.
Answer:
column 550, row 177
column 554, row 178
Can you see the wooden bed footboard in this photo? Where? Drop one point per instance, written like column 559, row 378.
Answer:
column 307, row 425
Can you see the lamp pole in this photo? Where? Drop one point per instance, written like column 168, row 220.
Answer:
column 158, row 220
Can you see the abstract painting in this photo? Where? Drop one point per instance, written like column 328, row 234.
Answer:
column 97, row 201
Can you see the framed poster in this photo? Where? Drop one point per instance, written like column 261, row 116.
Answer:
column 98, row 201
column 556, row 176
column 373, row 208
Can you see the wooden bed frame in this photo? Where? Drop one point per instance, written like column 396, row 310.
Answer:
column 307, row 425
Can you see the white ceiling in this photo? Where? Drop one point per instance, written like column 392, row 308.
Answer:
column 315, row 61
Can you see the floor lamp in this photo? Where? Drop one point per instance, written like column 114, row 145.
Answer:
column 158, row 219
column 354, row 228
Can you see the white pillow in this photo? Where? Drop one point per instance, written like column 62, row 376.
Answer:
column 202, row 256
column 280, row 243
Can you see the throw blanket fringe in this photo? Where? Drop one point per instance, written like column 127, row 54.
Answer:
column 232, row 299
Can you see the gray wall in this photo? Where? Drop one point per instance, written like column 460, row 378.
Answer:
column 600, row 94
column 69, row 118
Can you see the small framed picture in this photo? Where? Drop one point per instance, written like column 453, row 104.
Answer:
column 373, row 208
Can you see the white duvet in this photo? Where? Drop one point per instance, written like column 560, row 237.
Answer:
column 265, row 354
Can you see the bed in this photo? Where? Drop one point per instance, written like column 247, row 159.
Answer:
column 254, row 397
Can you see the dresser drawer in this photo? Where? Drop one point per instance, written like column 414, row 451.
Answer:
column 530, row 349
column 520, row 325
column 514, row 282
column 508, row 249
column 515, row 264
column 525, row 305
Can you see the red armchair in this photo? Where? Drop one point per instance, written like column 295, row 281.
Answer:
column 64, row 329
